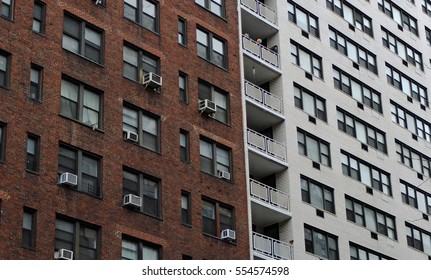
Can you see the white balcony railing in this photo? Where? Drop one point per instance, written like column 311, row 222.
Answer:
column 271, row 247
column 265, row 98
column 269, row 195
column 267, row 145
column 261, row 10
column 260, row 51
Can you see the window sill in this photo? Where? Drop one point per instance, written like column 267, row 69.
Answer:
column 32, row 172
column 212, row 63
column 75, row 189
column 141, row 26
column 219, row 239
column 7, row 18
column 142, row 213
column 29, row 248
column 138, row 145
column 216, row 177
column 208, row 10
column 85, row 58
column 43, row 35
column 187, row 225
column 84, row 124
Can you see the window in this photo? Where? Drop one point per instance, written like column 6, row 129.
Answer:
column 408, row 86
column 361, row 130
column 321, row 243
column 214, row 6
column 400, row 16
column 313, row 147
column 186, row 212
column 428, row 34
column 182, row 84
column 358, row 252
column 143, row 124
column 418, row 238
column 366, row 173
column 357, row 90
column 216, row 217
column 79, row 237
column 82, row 38
column 415, row 197
column 146, row 187
column 307, row 60
column 81, row 103
column 211, row 47
column 184, row 146
column 310, row 102
column 304, row 19
column 29, row 229
column 182, row 31
column 214, row 158
column 352, row 15
column 317, row 194
column 4, row 69
column 137, row 63
column 143, row 12
column 402, row 49
column 413, row 159
column 133, row 249
column 39, row 17
column 352, row 50
column 371, row 218
column 2, row 141
column 36, row 83
column 426, row 7
column 85, row 165
column 33, row 153
column 218, row 96
column 7, row 8
column 416, row 125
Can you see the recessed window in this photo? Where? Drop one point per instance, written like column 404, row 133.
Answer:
column 182, row 84
column 4, row 69
column 216, row 7
column 184, row 146
column 182, row 31
column 39, row 17
column 215, row 159
column 186, row 212
column 137, row 63
column 29, row 229
column 81, row 103
column 218, row 96
column 35, row 83
column 134, row 249
column 82, row 38
column 211, row 47
column 143, row 12
column 7, row 9
column 79, row 237
column 321, row 243
column 216, row 217
column 33, row 153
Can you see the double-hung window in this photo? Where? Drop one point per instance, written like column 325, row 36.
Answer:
column 216, row 217
column 184, row 146
column 410, row 157
column 218, row 96
column 83, row 164
column 33, row 153
column 35, row 83
column 416, row 125
column 182, row 31
column 321, row 243
column 215, row 158
column 418, row 238
column 39, row 17
column 211, row 47
column 146, row 187
column 182, row 85
column 352, row 15
column 317, row 194
column 7, row 9
column 400, row 16
column 314, row 148
column 134, row 249
column 303, row 19
column 144, row 125
column 2, row 141
column 4, row 69
column 310, row 102
column 81, row 103
column 79, row 237
column 216, row 7
column 143, row 12
column 186, row 212
column 137, row 63
column 306, row 59
column 82, row 38
column 29, row 229
column 415, row 197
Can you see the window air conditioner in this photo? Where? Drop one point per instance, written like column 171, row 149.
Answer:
column 228, row 234
column 223, row 174
column 131, row 136
column 68, row 179
column 132, row 200
column 63, row 254
column 152, row 80
column 207, row 107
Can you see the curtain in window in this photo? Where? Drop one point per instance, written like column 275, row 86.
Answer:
column 91, row 108
column 69, row 99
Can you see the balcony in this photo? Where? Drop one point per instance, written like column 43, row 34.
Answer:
column 266, row 156
column 258, row 19
column 263, row 108
column 267, row 248
column 268, row 205
column 261, row 64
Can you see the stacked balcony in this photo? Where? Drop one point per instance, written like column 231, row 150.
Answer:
column 267, row 248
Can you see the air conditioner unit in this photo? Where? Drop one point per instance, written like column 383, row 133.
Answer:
column 207, row 107
column 68, row 179
column 228, row 234
column 152, row 80
column 63, row 254
column 132, row 200
column 131, row 136
column 223, row 174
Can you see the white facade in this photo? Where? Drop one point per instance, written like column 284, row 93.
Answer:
column 279, row 213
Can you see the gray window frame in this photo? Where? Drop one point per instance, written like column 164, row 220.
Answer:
column 214, row 161
column 36, row 84
column 141, row 17
column 145, row 62
column 312, row 245
column 211, row 53
column 293, row 9
column 140, row 246
column 209, row 91
column 39, row 19
column 7, row 68
column 207, row 4
column 29, row 230
column 33, row 156
column 303, row 147
column 7, row 8
column 326, row 200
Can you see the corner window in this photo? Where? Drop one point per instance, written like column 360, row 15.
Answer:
column 215, row 159
column 32, row 153
column 211, row 47
column 134, row 249
column 7, row 9
column 29, row 229
column 218, row 96
column 4, row 69
column 81, row 103
column 82, row 38
column 216, row 7
column 39, row 17
column 216, row 217
column 35, row 83
column 143, row 12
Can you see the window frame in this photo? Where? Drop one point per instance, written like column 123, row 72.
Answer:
column 10, row 10
column 42, row 6
column 204, row 89
column 38, row 84
column 182, row 32
column 186, row 212
column 2, row 142
column 214, row 160
column 314, row 60
column 206, row 4
column 7, row 58
column 409, row 196
column 140, row 245
column 310, row 245
column 417, row 243
column 184, row 146
column 405, row 155
column 326, row 204
column 217, row 222
column 140, row 15
column 183, row 81
column 388, row 7
column 140, row 65
column 299, row 101
column 302, row 147
column 210, row 51
column 293, row 9
column 357, row 249
column 35, row 154
column 400, row 115
column 29, row 234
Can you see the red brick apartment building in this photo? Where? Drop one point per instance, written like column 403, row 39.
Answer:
column 121, row 132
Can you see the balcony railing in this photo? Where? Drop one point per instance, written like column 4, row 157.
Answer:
column 269, row 195
column 267, row 145
column 265, row 98
column 261, row 10
column 260, row 51
column 272, row 248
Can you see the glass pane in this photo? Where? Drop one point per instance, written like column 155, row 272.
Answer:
column 93, row 36
column 150, row 253
column 129, row 250
column 149, row 125
column 208, row 210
